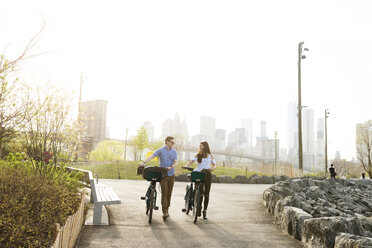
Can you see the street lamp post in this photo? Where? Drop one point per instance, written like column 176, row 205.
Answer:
column 326, row 114
column 300, row 152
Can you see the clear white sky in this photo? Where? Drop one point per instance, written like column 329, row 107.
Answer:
column 225, row 59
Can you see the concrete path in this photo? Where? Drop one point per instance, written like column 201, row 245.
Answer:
column 236, row 218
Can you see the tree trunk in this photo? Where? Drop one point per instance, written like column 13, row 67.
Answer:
column 1, row 147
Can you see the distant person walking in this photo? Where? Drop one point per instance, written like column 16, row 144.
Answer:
column 168, row 159
column 332, row 171
column 363, row 175
column 205, row 160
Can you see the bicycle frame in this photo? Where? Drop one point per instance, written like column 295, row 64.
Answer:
column 152, row 185
column 153, row 175
column 193, row 195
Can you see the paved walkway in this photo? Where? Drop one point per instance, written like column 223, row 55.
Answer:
column 236, row 218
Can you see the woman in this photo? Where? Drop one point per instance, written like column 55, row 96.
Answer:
column 205, row 160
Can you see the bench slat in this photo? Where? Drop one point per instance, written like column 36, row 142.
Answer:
column 112, row 195
column 106, row 195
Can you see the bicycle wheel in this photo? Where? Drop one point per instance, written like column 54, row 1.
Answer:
column 187, row 199
column 197, row 204
column 151, row 205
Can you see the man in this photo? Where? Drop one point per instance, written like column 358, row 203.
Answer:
column 168, row 159
column 332, row 172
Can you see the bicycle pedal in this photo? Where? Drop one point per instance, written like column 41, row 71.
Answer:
column 184, row 210
column 143, row 198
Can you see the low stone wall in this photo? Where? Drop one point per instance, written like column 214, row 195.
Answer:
column 323, row 213
column 254, row 179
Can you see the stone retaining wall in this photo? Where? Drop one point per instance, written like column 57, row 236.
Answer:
column 323, row 213
column 254, row 179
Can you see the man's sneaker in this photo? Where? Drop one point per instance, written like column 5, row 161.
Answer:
column 205, row 214
column 165, row 216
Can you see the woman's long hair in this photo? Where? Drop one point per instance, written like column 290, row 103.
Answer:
column 203, row 153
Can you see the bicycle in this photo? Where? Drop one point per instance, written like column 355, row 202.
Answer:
column 193, row 193
column 153, row 174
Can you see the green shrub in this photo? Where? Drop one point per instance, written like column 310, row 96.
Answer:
column 31, row 202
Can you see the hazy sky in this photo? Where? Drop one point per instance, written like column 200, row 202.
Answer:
column 225, row 59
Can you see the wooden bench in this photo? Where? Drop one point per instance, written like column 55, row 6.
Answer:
column 102, row 194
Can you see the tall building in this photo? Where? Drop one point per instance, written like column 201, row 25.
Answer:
column 94, row 116
column 308, row 139
column 150, row 129
column 176, row 130
column 167, row 128
column 292, row 126
column 185, row 131
column 207, row 126
column 220, row 139
column 240, row 136
column 263, row 129
column 319, row 148
column 232, row 141
column 320, row 138
column 308, row 131
column 247, row 125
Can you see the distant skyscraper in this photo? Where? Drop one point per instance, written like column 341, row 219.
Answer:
column 338, row 155
column 292, row 125
column 263, row 129
column 247, row 125
column 220, row 139
column 150, row 129
column 167, row 128
column 240, row 136
column 94, row 113
column 184, row 130
column 232, row 141
column 320, row 138
column 308, row 131
column 308, row 139
column 207, row 126
column 176, row 131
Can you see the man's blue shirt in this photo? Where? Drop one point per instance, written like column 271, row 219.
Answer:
column 167, row 158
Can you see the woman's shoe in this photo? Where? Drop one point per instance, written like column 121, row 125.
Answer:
column 205, row 214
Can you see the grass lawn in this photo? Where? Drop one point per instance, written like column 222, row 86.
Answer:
column 128, row 170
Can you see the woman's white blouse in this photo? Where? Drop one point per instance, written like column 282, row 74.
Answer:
column 205, row 163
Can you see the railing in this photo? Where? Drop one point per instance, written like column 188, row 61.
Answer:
column 66, row 236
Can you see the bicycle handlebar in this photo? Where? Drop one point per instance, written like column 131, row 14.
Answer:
column 191, row 169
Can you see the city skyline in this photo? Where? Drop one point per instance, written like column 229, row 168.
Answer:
column 313, row 136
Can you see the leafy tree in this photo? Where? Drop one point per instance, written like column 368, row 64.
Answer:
column 50, row 127
column 344, row 167
column 141, row 140
column 364, row 147
column 156, row 145
column 14, row 100
column 107, row 150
